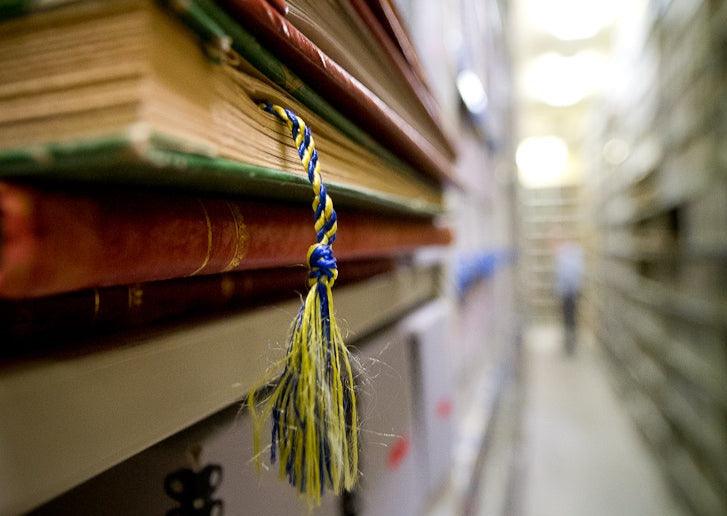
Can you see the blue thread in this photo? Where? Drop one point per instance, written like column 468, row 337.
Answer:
column 278, row 411
column 276, row 430
column 321, row 264
column 329, row 363
column 327, row 458
column 290, row 472
column 325, row 319
column 321, row 206
column 305, row 143
column 312, row 165
column 326, row 227
column 303, row 476
column 294, row 388
column 294, row 121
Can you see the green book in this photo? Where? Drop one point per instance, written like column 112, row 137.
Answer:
column 118, row 160
column 141, row 99
column 214, row 26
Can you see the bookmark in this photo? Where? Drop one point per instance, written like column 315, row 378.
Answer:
column 313, row 403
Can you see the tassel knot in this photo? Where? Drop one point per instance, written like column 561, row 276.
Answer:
column 313, row 405
column 322, row 265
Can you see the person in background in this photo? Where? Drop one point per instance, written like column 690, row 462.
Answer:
column 569, row 277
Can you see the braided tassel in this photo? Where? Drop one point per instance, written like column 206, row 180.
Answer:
column 313, row 404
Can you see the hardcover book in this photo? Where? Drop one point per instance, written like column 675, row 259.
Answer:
column 66, row 317
column 60, row 239
column 125, row 74
column 344, row 90
column 352, row 35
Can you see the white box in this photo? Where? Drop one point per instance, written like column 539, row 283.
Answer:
column 391, row 482
column 434, row 404
column 137, row 485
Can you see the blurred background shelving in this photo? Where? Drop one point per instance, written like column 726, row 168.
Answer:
column 647, row 171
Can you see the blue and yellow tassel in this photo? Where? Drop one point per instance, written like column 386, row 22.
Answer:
column 313, row 403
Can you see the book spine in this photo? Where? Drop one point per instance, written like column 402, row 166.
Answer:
column 56, row 241
column 332, row 81
column 85, row 312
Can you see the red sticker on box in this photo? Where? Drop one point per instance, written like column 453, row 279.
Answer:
column 444, row 408
column 398, row 452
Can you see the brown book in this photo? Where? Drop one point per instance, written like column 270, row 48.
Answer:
column 88, row 312
column 382, row 19
column 344, row 91
column 389, row 19
column 56, row 240
column 353, row 36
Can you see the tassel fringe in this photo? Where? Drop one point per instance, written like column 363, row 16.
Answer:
column 313, row 403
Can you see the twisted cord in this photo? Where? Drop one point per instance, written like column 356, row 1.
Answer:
column 313, row 406
column 321, row 261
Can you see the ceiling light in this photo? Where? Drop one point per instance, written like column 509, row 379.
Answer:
column 561, row 80
column 541, row 161
column 570, row 20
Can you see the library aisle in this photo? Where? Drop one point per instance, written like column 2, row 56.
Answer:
column 581, row 454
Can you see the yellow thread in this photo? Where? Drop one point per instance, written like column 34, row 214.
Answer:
column 209, row 239
column 306, row 158
column 317, row 381
column 307, row 154
column 329, row 234
column 319, row 223
column 301, row 131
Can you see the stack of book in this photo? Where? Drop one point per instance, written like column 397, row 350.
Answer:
column 133, row 151
column 140, row 182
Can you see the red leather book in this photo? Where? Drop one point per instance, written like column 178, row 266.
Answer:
column 57, row 240
column 341, row 89
column 85, row 312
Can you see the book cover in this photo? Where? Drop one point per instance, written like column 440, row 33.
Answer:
column 58, row 239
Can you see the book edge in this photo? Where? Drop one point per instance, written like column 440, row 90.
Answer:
column 125, row 158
